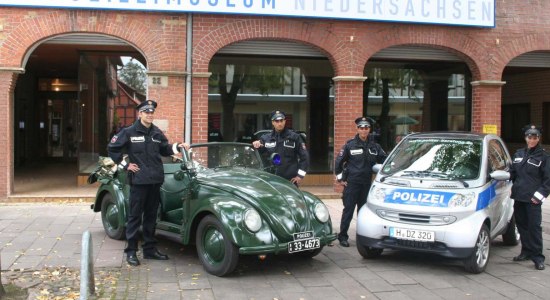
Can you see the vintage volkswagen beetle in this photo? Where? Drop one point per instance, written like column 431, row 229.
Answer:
column 220, row 197
column 446, row 193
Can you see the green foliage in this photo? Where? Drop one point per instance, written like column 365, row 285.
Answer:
column 133, row 74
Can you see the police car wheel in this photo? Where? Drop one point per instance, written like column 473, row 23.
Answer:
column 217, row 253
column 477, row 262
column 110, row 218
column 369, row 252
column 511, row 236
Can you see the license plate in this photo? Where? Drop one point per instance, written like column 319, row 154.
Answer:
column 304, row 245
column 412, row 234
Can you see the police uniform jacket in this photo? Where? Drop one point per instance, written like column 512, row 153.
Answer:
column 531, row 174
column 144, row 147
column 288, row 144
column 356, row 158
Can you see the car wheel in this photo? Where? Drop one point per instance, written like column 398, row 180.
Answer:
column 369, row 252
column 110, row 218
column 477, row 262
column 511, row 236
column 309, row 253
column 217, row 253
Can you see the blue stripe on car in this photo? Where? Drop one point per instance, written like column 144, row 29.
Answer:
column 436, row 198
column 419, row 197
column 486, row 197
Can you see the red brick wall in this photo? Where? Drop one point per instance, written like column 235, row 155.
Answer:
column 348, row 45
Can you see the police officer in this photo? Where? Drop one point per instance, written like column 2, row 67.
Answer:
column 531, row 176
column 144, row 143
column 353, row 168
column 288, row 144
column 214, row 134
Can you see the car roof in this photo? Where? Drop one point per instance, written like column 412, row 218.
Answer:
column 462, row 135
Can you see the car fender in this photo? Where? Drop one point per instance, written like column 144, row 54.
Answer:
column 230, row 212
column 117, row 193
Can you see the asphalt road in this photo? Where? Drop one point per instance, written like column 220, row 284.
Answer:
column 35, row 238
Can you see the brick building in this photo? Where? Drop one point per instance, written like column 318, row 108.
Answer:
column 407, row 75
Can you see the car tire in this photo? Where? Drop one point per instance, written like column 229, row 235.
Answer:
column 309, row 253
column 477, row 262
column 511, row 236
column 217, row 253
column 369, row 252
column 110, row 218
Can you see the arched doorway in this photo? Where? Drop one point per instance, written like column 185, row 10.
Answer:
column 252, row 78
column 415, row 88
column 525, row 97
column 66, row 105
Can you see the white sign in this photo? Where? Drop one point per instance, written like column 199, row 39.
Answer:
column 451, row 12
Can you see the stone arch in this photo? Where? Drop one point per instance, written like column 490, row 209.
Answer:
column 248, row 29
column 461, row 45
column 519, row 46
column 18, row 43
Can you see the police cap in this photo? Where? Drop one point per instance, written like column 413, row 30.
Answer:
column 147, row 106
column 362, row 122
column 532, row 130
column 278, row 115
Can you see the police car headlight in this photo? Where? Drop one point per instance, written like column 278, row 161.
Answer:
column 252, row 220
column 462, row 200
column 377, row 194
column 321, row 212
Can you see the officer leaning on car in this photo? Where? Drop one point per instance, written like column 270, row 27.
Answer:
column 144, row 143
column 288, row 144
column 353, row 168
column 530, row 174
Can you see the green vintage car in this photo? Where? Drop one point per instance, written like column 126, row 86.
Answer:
column 221, row 197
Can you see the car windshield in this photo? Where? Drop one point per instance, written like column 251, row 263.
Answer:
column 224, row 155
column 435, row 158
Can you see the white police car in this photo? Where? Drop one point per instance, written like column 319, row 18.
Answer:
column 445, row 193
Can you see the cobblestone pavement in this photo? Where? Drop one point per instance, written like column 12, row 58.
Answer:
column 40, row 248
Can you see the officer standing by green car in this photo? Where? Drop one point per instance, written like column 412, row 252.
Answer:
column 289, row 145
column 353, row 168
column 145, row 144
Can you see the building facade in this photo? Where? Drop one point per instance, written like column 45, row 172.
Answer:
column 496, row 74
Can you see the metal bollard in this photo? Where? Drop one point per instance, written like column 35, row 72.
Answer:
column 87, row 282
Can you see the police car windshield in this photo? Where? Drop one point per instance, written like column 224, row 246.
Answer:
column 435, row 158
column 224, row 155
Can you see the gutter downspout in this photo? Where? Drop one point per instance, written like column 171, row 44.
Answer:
column 188, row 77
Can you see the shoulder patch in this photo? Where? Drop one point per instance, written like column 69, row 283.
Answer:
column 113, row 140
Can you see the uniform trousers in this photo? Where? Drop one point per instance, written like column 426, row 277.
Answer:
column 354, row 194
column 144, row 202
column 528, row 220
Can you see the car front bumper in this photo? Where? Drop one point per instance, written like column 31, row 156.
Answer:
column 456, row 240
column 277, row 248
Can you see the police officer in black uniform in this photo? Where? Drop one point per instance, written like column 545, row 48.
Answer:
column 144, row 143
column 288, row 144
column 214, row 134
column 353, row 168
column 531, row 176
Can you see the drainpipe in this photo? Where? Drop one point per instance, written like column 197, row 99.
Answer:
column 188, row 77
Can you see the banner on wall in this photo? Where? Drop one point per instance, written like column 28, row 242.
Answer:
column 479, row 13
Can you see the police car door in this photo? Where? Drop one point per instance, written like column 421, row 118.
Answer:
column 499, row 160
column 173, row 195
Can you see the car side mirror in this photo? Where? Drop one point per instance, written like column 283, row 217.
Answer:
column 500, row 175
column 376, row 168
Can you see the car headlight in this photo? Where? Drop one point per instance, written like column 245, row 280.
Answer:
column 377, row 194
column 321, row 212
column 462, row 200
column 252, row 220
